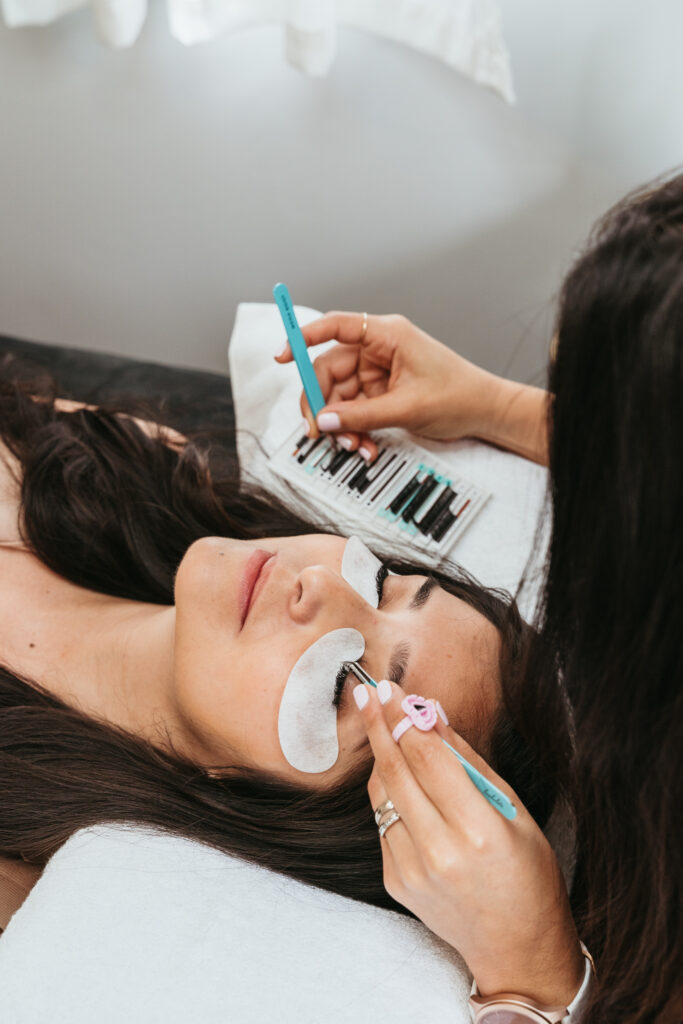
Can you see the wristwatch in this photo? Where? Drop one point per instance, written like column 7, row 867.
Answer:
column 508, row 1008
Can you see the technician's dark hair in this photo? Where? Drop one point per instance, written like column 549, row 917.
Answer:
column 111, row 509
column 611, row 621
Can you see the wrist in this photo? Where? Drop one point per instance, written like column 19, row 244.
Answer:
column 471, row 399
column 560, row 986
column 517, row 419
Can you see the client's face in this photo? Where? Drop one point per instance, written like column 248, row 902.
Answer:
column 244, row 622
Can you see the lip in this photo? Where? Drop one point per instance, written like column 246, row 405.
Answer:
column 252, row 581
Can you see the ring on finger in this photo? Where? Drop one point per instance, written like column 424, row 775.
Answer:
column 419, row 712
column 380, row 811
column 364, row 328
column 388, row 823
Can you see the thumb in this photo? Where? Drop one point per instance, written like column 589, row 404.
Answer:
column 387, row 410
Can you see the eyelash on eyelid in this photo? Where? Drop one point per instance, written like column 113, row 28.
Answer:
column 342, row 674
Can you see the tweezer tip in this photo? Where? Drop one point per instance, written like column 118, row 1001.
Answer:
column 360, row 673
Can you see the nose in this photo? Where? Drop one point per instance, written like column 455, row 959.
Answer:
column 318, row 591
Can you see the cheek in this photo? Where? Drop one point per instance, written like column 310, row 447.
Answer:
column 227, row 699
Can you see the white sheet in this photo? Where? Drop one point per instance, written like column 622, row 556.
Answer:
column 126, row 925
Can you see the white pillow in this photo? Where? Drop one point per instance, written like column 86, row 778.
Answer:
column 128, row 925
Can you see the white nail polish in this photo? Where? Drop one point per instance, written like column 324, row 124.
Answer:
column 365, row 453
column 384, row 691
column 344, row 441
column 305, row 427
column 329, row 421
column 360, row 695
column 283, row 352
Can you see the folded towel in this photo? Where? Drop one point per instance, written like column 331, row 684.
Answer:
column 129, row 925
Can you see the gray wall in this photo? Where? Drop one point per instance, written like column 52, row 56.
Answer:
column 144, row 193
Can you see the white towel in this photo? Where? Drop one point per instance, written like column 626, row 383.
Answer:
column 128, row 925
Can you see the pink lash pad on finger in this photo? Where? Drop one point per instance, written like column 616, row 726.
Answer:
column 419, row 712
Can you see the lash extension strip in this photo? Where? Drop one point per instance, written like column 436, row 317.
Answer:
column 406, row 491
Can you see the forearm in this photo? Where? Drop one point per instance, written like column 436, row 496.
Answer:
column 468, row 401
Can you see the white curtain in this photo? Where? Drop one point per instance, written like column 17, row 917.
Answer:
column 465, row 34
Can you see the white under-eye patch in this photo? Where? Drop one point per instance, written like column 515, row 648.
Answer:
column 359, row 567
column 307, row 722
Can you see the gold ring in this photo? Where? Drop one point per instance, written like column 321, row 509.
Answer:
column 364, row 328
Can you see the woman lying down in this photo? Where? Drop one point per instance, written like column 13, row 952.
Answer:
column 172, row 654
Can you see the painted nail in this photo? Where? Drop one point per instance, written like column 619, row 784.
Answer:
column 282, row 353
column 360, row 695
column 305, row 427
column 442, row 713
column 329, row 421
column 344, row 441
column 384, row 691
column 365, row 453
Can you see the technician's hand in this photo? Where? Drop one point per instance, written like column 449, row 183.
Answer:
column 395, row 375
column 490, row 887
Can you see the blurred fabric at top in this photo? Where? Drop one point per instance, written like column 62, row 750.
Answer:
column 465, row 34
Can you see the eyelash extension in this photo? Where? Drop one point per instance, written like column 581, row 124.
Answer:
column 342, row 674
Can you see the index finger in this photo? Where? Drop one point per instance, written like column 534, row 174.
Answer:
column 346, row 328
column 418, row 813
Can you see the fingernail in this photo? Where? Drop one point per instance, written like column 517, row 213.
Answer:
column 344, row 441
column 384, row 691
column 360, row 695
column 441, row 713
column 329, row 421
column 284, row 352
column 365, row 453
column 305, row 427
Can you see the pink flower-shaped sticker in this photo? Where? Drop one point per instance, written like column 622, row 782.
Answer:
column 421, row 712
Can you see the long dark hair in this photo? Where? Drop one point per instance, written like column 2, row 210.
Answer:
column 611, row 620
column 111, row 509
